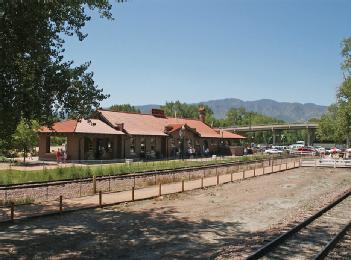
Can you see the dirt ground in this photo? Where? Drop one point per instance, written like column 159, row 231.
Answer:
column 219, row 222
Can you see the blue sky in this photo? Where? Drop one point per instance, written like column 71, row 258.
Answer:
column 197, row 50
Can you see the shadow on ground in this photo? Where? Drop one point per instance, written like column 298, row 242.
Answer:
column 115, row 234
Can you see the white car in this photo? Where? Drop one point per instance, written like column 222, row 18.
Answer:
column 273, row 151
column 320, row 149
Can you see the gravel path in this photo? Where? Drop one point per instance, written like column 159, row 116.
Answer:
column 227, row 221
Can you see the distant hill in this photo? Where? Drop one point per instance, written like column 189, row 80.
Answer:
column 290, row 112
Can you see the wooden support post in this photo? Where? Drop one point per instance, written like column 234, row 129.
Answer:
column 12, row 211
column 255, row 171
column 217, row 179
column 231, row 177
column 202, row 183
column 182, row 185
column 263, row 170
column 94, row 184
column 133, row 193
column 272, row 168
column 243, row 174
column 159, row 189
column 109, row 183
column 60, row 207
column 100, row 198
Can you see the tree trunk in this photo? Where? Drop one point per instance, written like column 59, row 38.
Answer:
column 24, row 155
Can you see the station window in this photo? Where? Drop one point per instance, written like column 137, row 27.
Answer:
column 153, row 143
column 142, row 144
column 132, row 145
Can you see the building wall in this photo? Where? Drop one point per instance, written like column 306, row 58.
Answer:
column 73, row 147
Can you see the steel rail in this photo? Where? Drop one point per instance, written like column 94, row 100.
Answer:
column 332, row 243
column 280, row 239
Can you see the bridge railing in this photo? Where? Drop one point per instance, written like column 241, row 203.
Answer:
column 273, row 124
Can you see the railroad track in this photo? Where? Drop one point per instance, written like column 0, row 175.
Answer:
column 326, row 234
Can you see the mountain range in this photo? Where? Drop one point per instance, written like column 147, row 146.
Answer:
column 289, row 112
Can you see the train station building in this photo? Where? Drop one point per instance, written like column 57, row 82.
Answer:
column 113, row 135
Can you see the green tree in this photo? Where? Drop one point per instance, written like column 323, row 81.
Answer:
column 335, row 124
column 241, row 117
column 36, row 82
column 184, row 110
column 26, row 136
column 124, row 108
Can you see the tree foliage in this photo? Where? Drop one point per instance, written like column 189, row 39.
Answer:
column 124, row 108
column 26, row 136
column 335, row 125
column 36, row 82
column 241, row 117
column 184, row 110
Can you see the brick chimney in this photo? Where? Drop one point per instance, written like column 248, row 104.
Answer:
column 202, row 114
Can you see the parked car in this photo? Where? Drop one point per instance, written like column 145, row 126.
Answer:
column 307, row 150
column 320, row 149
column 273, row 151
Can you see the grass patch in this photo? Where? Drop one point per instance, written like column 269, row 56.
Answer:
column 11, row 176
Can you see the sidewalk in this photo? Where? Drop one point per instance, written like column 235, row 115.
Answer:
column 53, row 207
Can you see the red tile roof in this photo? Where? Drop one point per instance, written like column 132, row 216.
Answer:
column 147, row 124
column 67, row 126
column 91, row 126
column 135, row 123
column 96, row 126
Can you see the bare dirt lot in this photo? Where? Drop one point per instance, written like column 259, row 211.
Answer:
column 219, row 222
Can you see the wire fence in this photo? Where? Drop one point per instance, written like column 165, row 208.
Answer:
column 98, row 194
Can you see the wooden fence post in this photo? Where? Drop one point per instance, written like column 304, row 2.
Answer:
column 243, row 174
column 159, row 189
column 182, row 185
column 94, row 184
column 255, row 170
column 231, row 177
column 133, row 193
column 60, row 207
column 217, row 179
column 12, row 211
column 202, row 182
column 100, row 198
column 109, row 183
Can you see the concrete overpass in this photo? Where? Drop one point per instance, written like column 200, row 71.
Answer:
column 311, row 128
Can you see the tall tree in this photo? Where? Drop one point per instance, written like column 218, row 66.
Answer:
column 241, row 117
column 26, row 136
column 328, row 126
column 36, row 82
column 185, row 110
column 335, row 125
column 124, row 108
